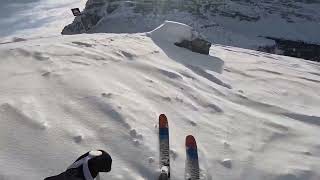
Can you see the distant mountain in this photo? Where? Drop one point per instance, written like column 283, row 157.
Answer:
column 241, row 23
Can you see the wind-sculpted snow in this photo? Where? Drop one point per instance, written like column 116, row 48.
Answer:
column 170, row 32
column 173, row 32
column 252, row 113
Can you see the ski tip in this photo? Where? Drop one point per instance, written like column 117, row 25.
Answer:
column 191, row 142
column 163, row 122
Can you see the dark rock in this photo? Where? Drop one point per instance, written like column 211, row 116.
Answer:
column 201, row 46
column 82, row 23
column 197, row 45
column 293, row 48
column 184, row 44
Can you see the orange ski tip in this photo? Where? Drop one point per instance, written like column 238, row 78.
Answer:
column 190, row 141
column 163, row 122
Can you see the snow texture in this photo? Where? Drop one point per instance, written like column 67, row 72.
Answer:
column 66, row 95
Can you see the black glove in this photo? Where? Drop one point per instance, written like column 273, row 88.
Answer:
column 86, row 167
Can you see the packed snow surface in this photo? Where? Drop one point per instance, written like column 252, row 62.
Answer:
column 254, row 115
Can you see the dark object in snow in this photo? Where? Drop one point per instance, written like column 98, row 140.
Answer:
column 293, row 48
column 227, row 163
column 197, row 45
column 76, row 12
column 86, row 167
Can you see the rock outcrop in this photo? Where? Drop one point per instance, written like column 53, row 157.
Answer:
column 196, row 45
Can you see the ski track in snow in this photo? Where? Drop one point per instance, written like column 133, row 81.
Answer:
column 254, row 115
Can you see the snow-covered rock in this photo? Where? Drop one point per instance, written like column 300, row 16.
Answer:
column 167, row 34
column 173, row 32
column 177, row 33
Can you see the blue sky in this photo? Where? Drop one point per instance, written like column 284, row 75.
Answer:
column 25, row 17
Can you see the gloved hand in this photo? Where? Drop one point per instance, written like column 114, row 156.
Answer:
column 86, row 167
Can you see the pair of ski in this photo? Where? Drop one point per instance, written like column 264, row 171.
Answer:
column 192, row 163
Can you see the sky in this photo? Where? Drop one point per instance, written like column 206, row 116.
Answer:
column 41, row 17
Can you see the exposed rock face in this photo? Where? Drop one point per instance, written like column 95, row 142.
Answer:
column 294, row 48
column 88, row 21
column 197, row 45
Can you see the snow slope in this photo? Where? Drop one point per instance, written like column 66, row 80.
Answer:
column 254, row 115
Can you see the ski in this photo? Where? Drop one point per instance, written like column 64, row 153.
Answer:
column 164, row 148
column 192, row 171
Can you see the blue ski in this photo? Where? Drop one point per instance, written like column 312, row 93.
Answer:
column 192, row 171
column 164, row 148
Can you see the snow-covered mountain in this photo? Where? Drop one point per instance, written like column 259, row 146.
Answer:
column 254, row 115
column 229, row 22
